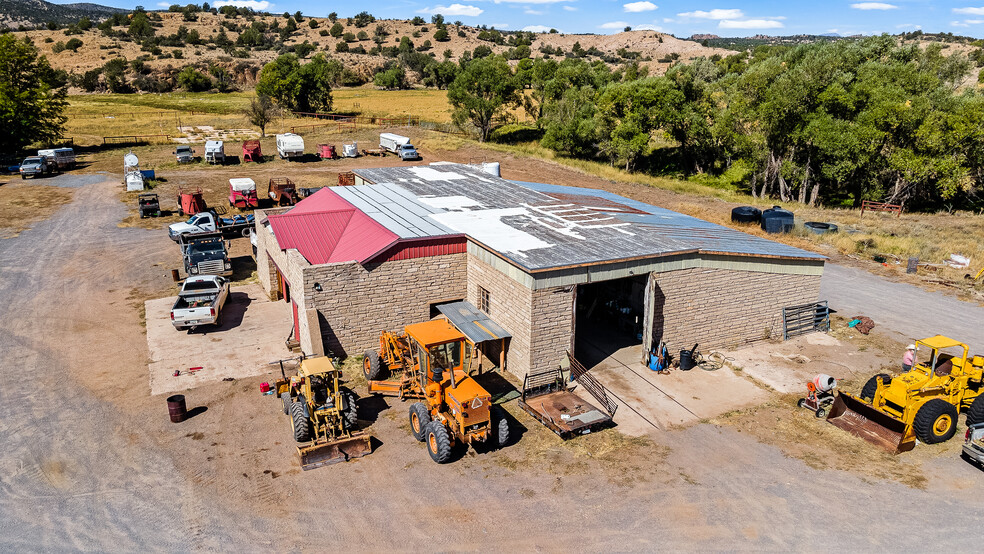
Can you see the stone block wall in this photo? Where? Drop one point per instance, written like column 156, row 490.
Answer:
column 356, row 303
column 553, row 327
column 510, row 305
column 721, row 308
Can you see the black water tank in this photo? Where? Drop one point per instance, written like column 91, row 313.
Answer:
column 820, row 228
column 746, row 214
column 777, row 220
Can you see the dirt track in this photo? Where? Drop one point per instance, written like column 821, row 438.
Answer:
column 90, row 461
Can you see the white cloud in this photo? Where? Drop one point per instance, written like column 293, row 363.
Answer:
column 529, row 1
column 959, row 24
column 164, row 4
column 668, row 20
column 714, row 14
column 454, row 9
column 613, row 25
column 258, row 5
column 750, row 24
column 969, row 11
column 636, row 7
column 874, row 6
column 908, row 26
column 499, row 26
column 570, row 9
column 529, row 11
column 536, row 29
column 648, row 27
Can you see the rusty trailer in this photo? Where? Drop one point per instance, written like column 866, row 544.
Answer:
column 547, row 398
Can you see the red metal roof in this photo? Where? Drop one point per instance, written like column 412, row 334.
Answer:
column 330, row 230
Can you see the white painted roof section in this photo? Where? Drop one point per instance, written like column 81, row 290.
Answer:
column 395, row 208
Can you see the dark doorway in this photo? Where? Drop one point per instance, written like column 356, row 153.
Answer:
column 435, row 312
column 608, row 318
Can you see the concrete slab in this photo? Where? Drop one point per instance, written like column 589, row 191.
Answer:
column 252, row 335
column 647, row 399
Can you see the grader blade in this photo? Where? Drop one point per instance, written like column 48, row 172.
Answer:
column 879, row 428
column 319, row 454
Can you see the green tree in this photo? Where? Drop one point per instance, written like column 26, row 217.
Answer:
column 295, row 87
column 140, row 26
column 392, row 79
column 32, row 100
column 193, row 80
column 482, row 93
column 336, row 30
column 441, row 35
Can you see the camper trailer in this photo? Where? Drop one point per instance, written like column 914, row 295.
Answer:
column 214, row 152
column 290, row 146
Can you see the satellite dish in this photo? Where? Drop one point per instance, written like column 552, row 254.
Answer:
column 130, row 160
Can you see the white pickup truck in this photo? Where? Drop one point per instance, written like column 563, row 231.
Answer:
column 210, row 222
column 200, row 302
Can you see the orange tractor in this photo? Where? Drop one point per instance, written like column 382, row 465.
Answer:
column 426, row 363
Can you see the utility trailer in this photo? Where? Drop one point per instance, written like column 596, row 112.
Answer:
column 547, row 398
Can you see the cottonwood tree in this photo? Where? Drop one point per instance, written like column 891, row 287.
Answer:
column 482, row 93
column 32, row 97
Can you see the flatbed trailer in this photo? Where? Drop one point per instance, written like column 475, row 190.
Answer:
column 547, row 398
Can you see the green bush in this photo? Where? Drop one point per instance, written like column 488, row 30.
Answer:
column 516, row 132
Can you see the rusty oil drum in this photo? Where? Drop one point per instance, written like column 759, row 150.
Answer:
column 176, row 408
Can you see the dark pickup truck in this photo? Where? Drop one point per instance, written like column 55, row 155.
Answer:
column 205, row 254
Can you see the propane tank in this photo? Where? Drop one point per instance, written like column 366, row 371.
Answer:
column 824, row 383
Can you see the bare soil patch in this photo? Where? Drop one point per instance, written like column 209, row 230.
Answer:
column 22, row 205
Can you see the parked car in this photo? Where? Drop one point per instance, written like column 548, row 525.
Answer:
column 205, row 254
column 214, row 152
column 210, row 222
column 200, row 302
column 185, row 154
column 34, row 166
column 398, row 145
column 973, row 448
column 290, row 146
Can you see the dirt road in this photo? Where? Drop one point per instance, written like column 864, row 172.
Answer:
column 906, row 309
column 90, row 461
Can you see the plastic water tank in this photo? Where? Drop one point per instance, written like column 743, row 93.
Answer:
column 746, row 214
column 820, row 227
column 492, row 168
column 777, row 220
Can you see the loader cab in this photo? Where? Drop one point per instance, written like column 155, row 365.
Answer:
column 317, row 378
column 439, row 348
column 943, row 356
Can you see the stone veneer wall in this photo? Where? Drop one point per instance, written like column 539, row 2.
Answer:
column 510, row 305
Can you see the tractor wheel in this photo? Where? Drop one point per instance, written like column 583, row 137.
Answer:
column 419, row 420
column 976, row 412
column 936, row 421
column 370, row 365
column 500, row 427
column 299, row 422
column 868, row 391
column 285, row 397
column 438, row 442
column 350, row 408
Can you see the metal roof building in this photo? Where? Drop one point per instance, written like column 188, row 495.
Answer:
column 545, row 263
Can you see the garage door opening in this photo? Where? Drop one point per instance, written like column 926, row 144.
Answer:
column 608, row 318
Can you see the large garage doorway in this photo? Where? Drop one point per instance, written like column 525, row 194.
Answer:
column 608, row 318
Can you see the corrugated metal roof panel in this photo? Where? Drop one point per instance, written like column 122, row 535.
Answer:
column 395, row 208
column 331, row 236
column 472, row 323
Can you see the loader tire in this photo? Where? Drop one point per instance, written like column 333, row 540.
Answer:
column 370, row 365
column 975, row 414
column 500, row 427
column 351, row 408
column 438, row 442
column 419, row 420
column 285, row 397
column 299, row 422
column 868, row 391
column 936, row 421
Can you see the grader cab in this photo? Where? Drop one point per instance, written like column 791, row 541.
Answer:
column 426, row 363
column 922, row 403
column 323, row 414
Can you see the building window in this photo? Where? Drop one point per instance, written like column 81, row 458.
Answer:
column 483, row 300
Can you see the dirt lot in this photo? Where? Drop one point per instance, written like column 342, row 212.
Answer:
column 91, row 461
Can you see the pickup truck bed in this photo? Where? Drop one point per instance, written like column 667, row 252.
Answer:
column 547, row 398
column 200, row 302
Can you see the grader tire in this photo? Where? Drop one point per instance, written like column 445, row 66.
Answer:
column 438, row 442
column 868, row 391
column 500, row 427
column 935, row 422
column 287, row 400
column 419, row 420
column 351, row 412
column 975, row 414
column 299, row 422
column 370, row 365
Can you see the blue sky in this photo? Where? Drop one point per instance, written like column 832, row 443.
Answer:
column 682, row 18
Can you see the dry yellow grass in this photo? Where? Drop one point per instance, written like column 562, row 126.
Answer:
column 425, row 104
column 22, row 205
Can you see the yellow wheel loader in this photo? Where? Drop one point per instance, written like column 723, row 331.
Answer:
column 323, row 414
column 922, row 403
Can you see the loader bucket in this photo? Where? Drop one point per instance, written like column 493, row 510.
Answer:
column 319, row 454
column 862, row 420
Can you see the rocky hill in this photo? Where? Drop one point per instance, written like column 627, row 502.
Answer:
column 29, row 13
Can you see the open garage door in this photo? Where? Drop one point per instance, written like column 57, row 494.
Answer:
column 609, row 317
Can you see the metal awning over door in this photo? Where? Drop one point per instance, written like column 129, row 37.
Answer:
column 472, row 323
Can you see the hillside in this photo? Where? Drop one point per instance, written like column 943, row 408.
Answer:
column 654, row 50
column 15, row 13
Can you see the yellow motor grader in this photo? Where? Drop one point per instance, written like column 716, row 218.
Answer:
column 922, row 403
column 323, row 414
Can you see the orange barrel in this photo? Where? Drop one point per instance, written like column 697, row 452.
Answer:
column 175, row 276
column 176, row 408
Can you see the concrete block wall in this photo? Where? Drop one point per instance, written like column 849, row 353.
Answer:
column 553, row 327
column 356, row 303
column 721, row 308
column 510, row 305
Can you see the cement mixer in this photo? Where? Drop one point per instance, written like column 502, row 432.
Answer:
column 820, row 395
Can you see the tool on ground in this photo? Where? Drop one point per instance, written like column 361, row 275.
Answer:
column 426, row 363
column 922, row 403
column 689, row 358
column 659, row 358
column 323, row 414
column 820, row 395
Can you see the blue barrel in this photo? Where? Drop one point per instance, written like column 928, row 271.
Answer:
column 777, row 220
